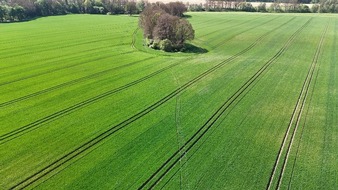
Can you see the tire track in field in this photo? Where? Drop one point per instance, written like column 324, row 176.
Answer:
column 51, row 33
column 54, row 59
column 237, row 34
column 210, row 23
column 61, row 68
column 59, row 47
column 36, row 124
column 217, row 30
column 133, row 37
column 232, row 27
column 164, row 169
column 226, row 40
column 69, row 83
column 104, row 135
column 55, row 42
column 296, row 116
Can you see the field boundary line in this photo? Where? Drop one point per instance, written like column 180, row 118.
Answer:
column 167, row 166
column 296, row 111
column 89, row 144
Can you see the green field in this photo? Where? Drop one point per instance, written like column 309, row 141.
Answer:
column 84, row 105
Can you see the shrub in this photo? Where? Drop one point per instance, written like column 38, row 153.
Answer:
column 262, row 7
column 166, row 45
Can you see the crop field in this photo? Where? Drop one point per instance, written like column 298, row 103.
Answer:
column 252, row 104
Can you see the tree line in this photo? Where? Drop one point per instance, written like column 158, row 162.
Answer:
column 277, row 6
column 18, row 10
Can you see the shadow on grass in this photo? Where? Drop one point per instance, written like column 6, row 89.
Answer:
column 190, row 48
column 19, row 21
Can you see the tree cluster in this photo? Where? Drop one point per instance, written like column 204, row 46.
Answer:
column 18, row 10
column 287, row 6
column 163, row 27
column 279, row 6
column 327, row 6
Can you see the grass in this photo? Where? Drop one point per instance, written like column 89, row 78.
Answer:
column 83, row 108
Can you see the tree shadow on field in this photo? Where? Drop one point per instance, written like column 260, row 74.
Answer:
column 187, row 16
column 191, row 48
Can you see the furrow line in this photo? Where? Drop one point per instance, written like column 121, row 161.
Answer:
column 36, row 124
column 52, row 44
column 237, row 34
column 69, row 83
column 210, row 23
column 297, row 112
column 91, row 143
column 215, row 31
column 61, row 68
column 58, row 47
column 55, row 59
column 307, row 83
column 194, row 139
column 133, row 37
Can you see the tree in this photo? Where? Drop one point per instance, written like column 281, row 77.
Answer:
column 148, row 20
column 17, row 13
column 130, row 7
column 183, row 32
column 3, row 13
column 88, row 5
column 163, row 30
column 176, row 8
column 141, row 5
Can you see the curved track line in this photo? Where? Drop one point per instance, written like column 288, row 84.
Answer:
column 171, row 162
column 69, row 83
column 297, row 111
column 91, row 143
column 133, row 37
